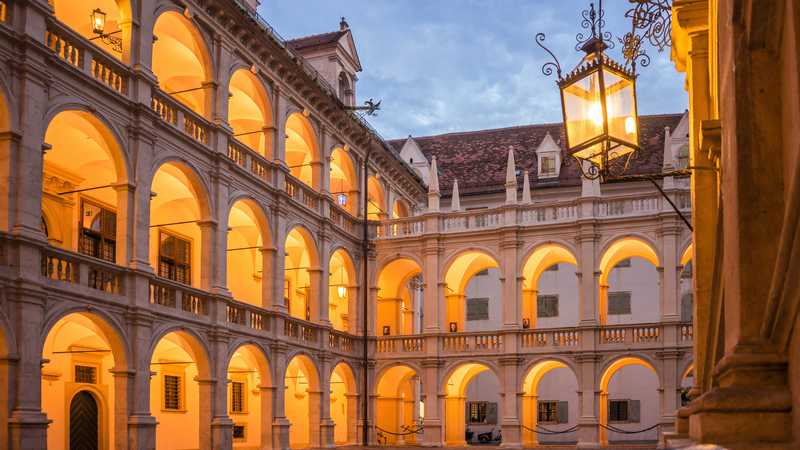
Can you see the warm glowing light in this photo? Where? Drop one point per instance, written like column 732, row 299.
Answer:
column 342, row 291
column 630, row 125
column 596, row 113
column 421, row 410
column 98, row 21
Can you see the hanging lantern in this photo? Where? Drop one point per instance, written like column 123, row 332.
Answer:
column 342, row 291
column 98, row 21
column 598, row 101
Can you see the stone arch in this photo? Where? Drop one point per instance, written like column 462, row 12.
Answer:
column 181, row 60
column 250, row 112
column 538, row 259
column 82, row 347
column 396, row 299
column 458, row 271
column 615, row 251
column 249, row 252
column 302, row 149
column 302, row 272
column 453, row 387
column 534, row 375
column 179, row 356
column 376, row 199
column 400, row 209
column 344, row 180
column 610, row 369
column 249, row 392
column 397, row 397
column 342, row 290
column 344, row 403
column 303, row 394
column 687, row 255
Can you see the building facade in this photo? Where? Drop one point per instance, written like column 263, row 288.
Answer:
column 184, row 198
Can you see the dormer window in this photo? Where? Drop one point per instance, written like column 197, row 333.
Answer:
column 549, row 158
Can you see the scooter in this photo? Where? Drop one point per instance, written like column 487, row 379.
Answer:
column 489, row 436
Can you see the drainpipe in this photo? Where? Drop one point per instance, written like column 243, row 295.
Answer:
column 365, row 295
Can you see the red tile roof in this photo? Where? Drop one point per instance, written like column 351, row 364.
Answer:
column 316, row 40
column 478, row 158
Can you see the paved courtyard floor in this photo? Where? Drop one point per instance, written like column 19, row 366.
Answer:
column 652, row 446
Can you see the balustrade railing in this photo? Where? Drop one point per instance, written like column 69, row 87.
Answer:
column 340, row 342
column 301, row 331
column 172, row 295
column 178, row 116
column 344, row 220
column 409, row 226
column 400, row 344
column 629, row 206
column 550, row 338
column 302, row 193
column 472, row 220
column 250, row 160
column 74, row 268
column 467, row 342
column 80, row 53
column 544, row 214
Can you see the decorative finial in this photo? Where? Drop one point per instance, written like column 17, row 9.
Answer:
column 343, row 25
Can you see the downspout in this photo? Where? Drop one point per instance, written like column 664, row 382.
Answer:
column 365, row 295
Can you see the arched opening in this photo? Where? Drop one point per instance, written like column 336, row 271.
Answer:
column 344, row 180
column 686, row 283
column 301, row 275
column 83, row 181
column 342, row 291
column 100, row 21
column 303, row 398
column 629, row 400
column 629, row 283
column 549, row 400
column 400, row 209
column 399, row 298
column 80, row 394
column 248, row 252
column 472, row 285
column 181, row 62
column 302, row 152
column 250, row 398
column 398, row 400
column 344, row 405
column 345, row 91
column 177, row 206
column 376, row 203
column 250, row 112
column 549, row 288
column 180, row 396
column 471, row 405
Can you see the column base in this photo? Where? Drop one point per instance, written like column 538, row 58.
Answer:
column 511, row 434
column 280, row 433
column 587, row 434
column 141, row 432
column 432, row 434
column 28, row 429
column 221, row 433
column 326, row 427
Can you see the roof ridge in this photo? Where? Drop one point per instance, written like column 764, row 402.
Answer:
column 518, row 127
column 312, row 36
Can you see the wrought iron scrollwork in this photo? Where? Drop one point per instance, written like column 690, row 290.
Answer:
column 633, row 52
column 548, row 67
column 654, row 17
column 115, row 42
column 593, row 20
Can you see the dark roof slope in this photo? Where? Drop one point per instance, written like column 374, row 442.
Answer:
column 316, row 40
column 478, row 158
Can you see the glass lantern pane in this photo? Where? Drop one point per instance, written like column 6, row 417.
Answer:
column 583, row 112
column 621, row 112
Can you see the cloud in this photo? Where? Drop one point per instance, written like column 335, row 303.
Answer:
column 453, row 65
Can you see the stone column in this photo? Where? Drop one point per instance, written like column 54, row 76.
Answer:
column 670, row 295
column 454, row 421
column 587, row 276
column 510, row 367
column 279, row 262
column 587, row 433
column 142, row 145
column 221, row 423
column 509, row 245
column 268, row 279
column 323, row 301
column 529, row 306
column 432, row 434
column 141, row 424
column 318, row 313
column 352, row 418
column 126, row 202
column 326, row 424
column 208, row 253
column 266, row 397
column 280, row 425
column 433, row 289
column 454, row 309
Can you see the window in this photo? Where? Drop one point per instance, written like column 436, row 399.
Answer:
column 552, row 411
column 624, row 263
column 481, row 412
column 239, row 432
column 623, row 411
column 478, row 308
column 174, row 258
column 686, row 273
column 547, row 306
column 98, row 231
column 172, row 392
column 686, row 307
column 85, row 374
column 237, row 397
column 548, row 168
column 619, row 303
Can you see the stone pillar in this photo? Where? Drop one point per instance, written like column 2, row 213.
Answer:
column 323, row 301
column 315, row 292
column 587, row 433
column 509, row 245
column 280, row 425
column 123, row 380
column 221, row 423
column 529, row 306
column 588, row 278
column 352, row 418
column 27, row 425
column 510, row 424
column 141, row 424
column 433, row 289
column 454, row 309
column 266, row 397
column 207, row 424
column 670, row 289
column 279, row 262
column 326, row 424
column 670, row 390
column 316, row 425
column 432, row 434
column 268, row 279
column 126, row 202
column 209, row 253
column 454, row 421
column 142, row 145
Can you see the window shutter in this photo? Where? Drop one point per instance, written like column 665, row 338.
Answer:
column 633, row 413
column 562, row 409
column 491, row 413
